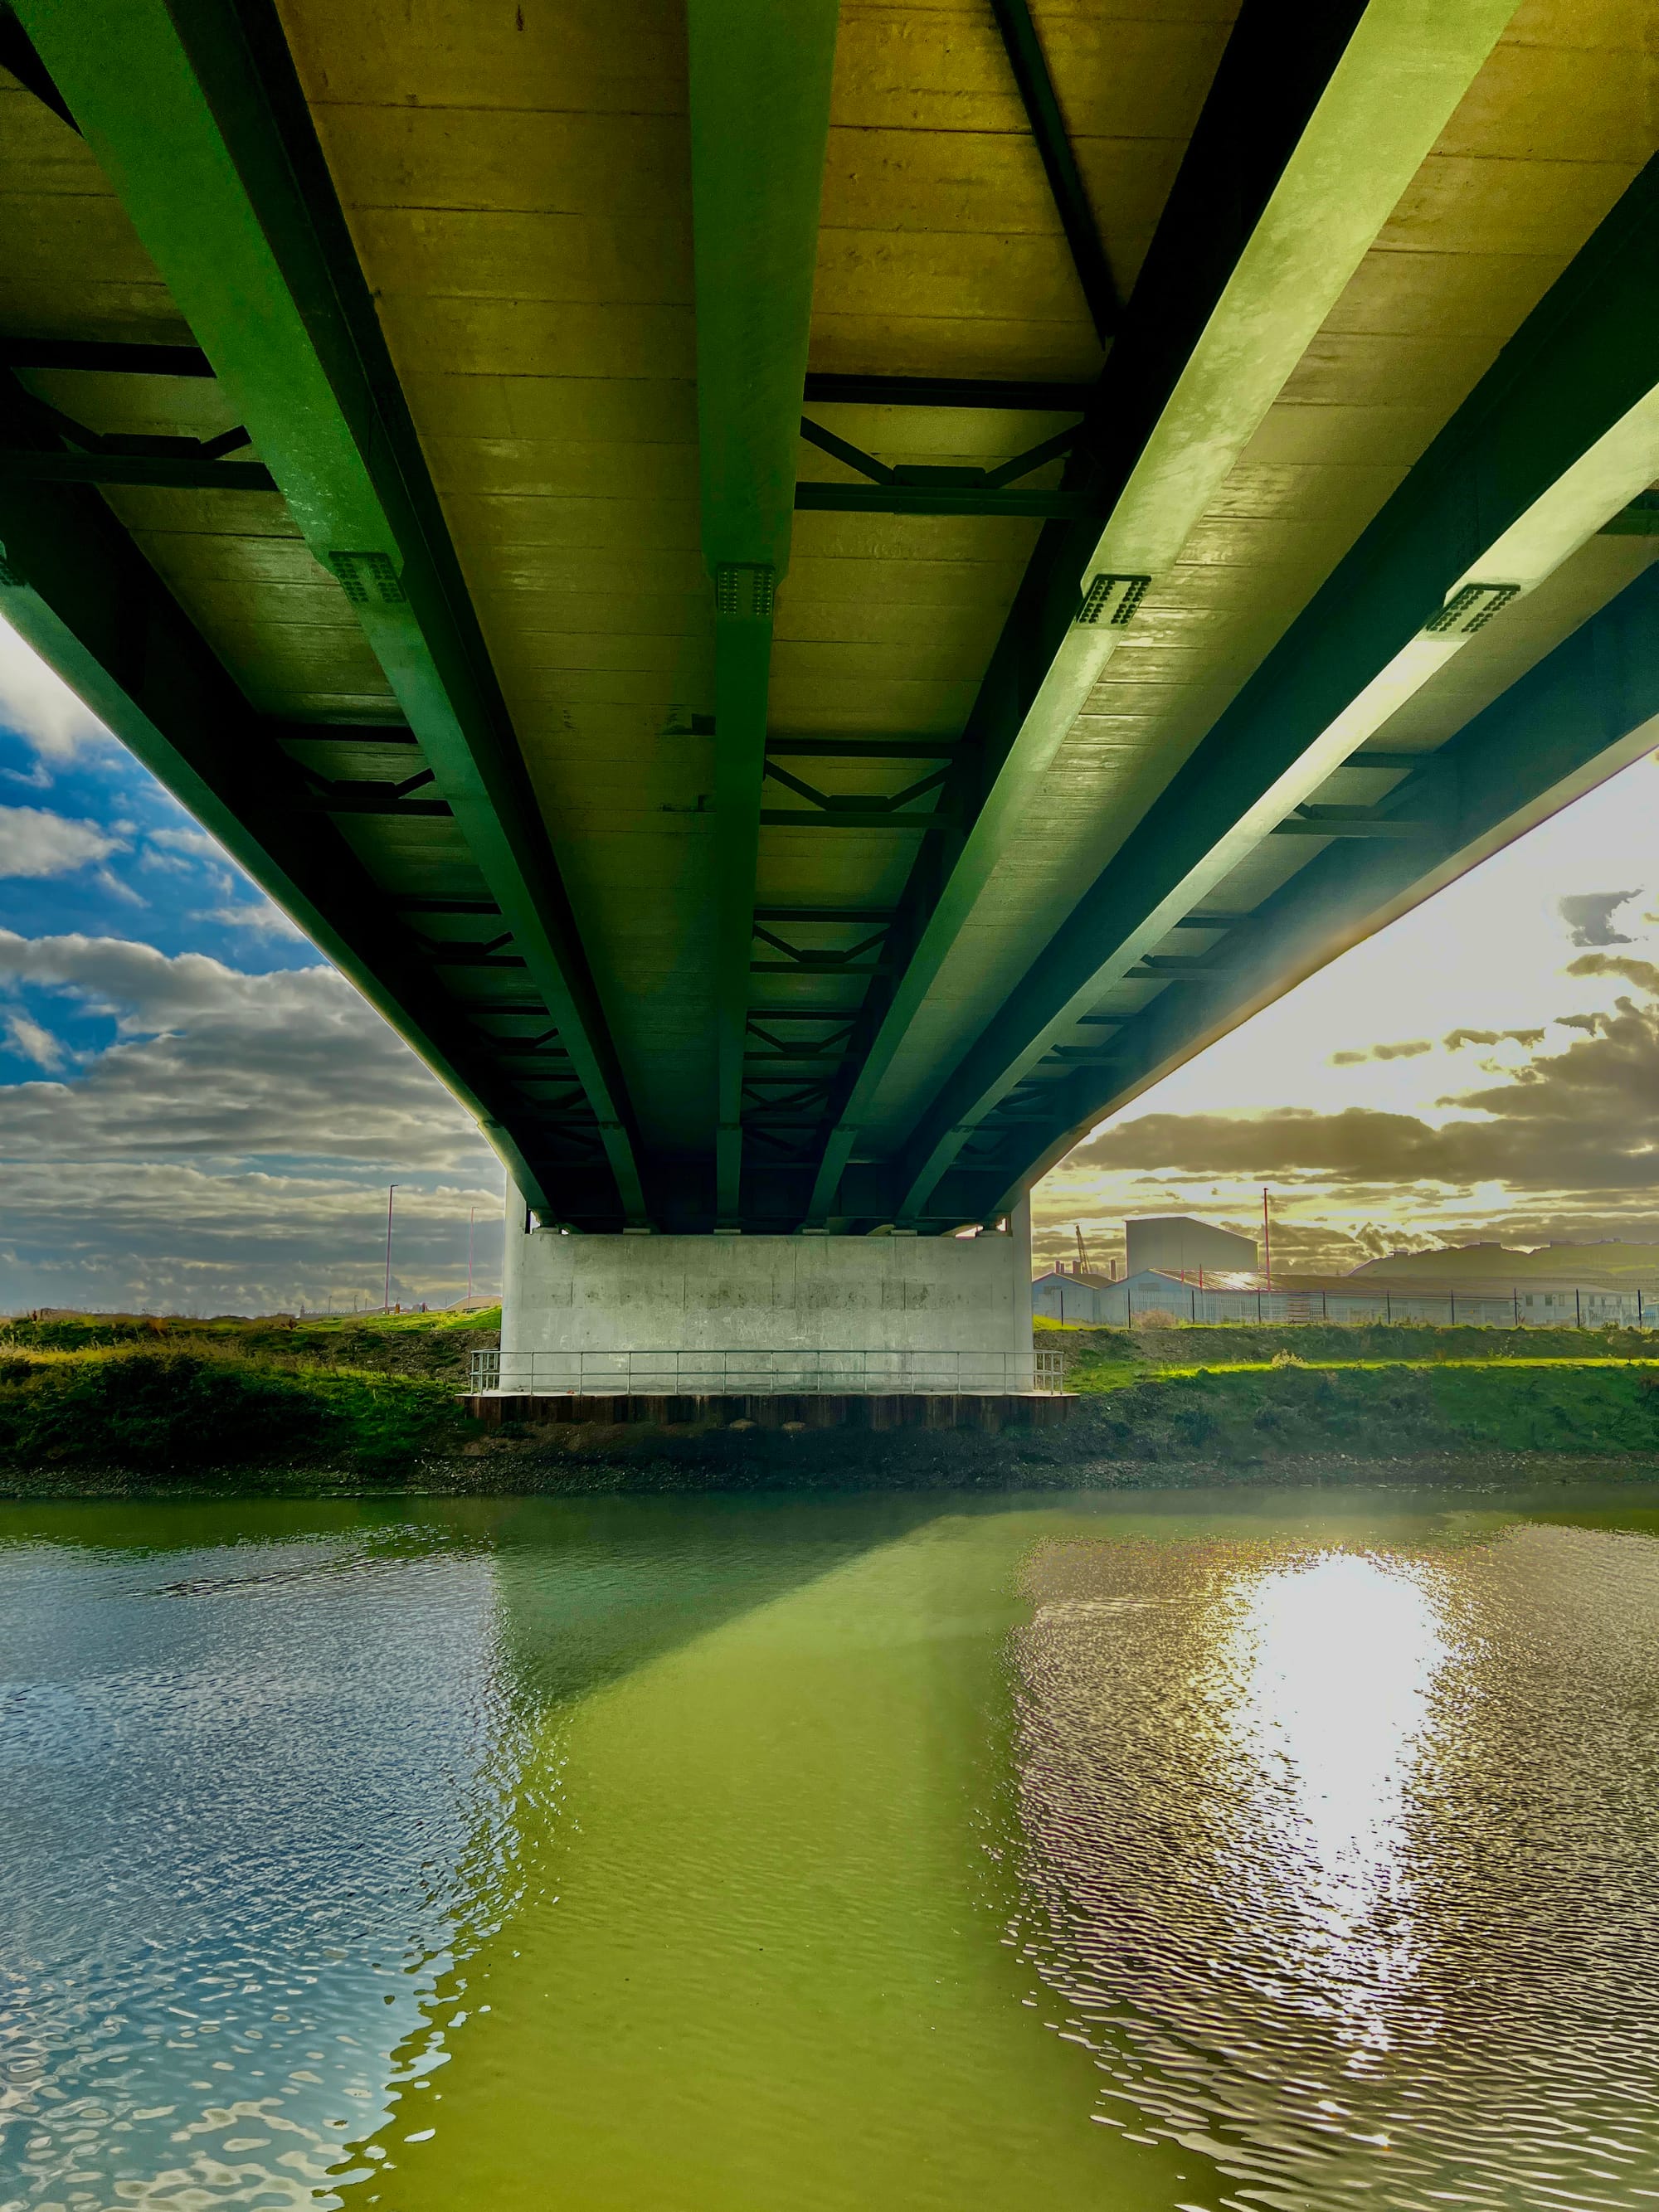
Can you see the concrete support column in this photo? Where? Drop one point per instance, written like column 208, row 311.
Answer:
column 514, row 1241
column 1019, row 1233
column 833, row 1315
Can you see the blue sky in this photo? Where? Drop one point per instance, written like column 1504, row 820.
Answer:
column 197, row 1113
column 148, row 864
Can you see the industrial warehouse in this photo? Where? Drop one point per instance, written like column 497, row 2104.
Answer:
column 1221, row 1283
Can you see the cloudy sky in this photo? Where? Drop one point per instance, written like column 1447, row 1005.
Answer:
column 198, row 1115
column 1488, row 1068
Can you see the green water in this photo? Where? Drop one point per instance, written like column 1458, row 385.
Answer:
column 1173, row 1851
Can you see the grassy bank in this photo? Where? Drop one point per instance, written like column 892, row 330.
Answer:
column 1418, row 1344
column 436, row 1347
column 87, row 1396
column 100, row 1406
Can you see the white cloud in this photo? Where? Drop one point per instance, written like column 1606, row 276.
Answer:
column 196, row 841
column 33, row 842
column 211, row 1062
column 116, row 890
column 178, row 1236
column 1485, row 962
column 229, row 1152
column 30, row 1042
column 39, row 706
column 265, row 920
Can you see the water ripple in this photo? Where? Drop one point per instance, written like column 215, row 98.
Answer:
column 1345, row 1863
column 241, row 1844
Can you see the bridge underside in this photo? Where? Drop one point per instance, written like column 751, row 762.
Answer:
column 808, row 599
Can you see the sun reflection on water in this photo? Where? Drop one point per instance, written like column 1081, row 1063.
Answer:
column 1344, row 1859
column 1339, row 1655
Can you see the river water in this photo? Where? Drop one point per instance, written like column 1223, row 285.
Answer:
column 1176, row 1850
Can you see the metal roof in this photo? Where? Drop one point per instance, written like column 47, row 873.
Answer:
column 808, row 599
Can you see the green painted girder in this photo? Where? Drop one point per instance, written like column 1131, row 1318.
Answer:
column 107, row 356
column 1557, row 436
column 1071, row 197
column 1584, row 713
column 89, row 604
column 1307, row 140
column 760, row 79
column 206, row 144
column 166, row 471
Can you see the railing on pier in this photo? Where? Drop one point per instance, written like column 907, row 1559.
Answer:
column 704, row 1373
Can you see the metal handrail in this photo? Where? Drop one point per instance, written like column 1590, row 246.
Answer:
column 744, row 1370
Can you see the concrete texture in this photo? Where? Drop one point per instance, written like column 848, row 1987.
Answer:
column 717, row 1314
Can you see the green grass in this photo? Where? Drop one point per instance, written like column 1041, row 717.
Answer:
column 169, row 1411
column 1246, row 1393
column 1238, row 1343
column 374, row 1400
column 435, row 1346
column 368, row 1395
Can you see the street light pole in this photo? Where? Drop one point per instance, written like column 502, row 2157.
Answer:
column 471, row 1217
column 1267, row 1240
column 389, row 1188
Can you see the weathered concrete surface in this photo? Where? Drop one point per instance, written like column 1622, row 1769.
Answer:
column 812, row 1314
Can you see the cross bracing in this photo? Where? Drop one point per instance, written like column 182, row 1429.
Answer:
column 810, row 597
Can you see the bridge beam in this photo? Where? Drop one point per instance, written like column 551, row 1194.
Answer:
column 1560, row 434
column 77, row 590
column 1071, row 197
column 760, row 121
column 1304, row 149
column 211, row 149
column 1586, row 711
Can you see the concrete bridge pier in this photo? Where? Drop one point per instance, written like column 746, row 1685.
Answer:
column 719, row 1316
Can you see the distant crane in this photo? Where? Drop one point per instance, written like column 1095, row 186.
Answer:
column 1083, row 1266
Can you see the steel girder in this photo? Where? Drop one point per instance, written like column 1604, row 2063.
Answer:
column 199, row 123
column 1071, row 197
column 1318, row 118
column 77, row 589
column 760, row 120
column 1586, row 710
column 1559, row 435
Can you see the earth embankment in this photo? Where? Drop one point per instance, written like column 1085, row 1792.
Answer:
column 99, row 1405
